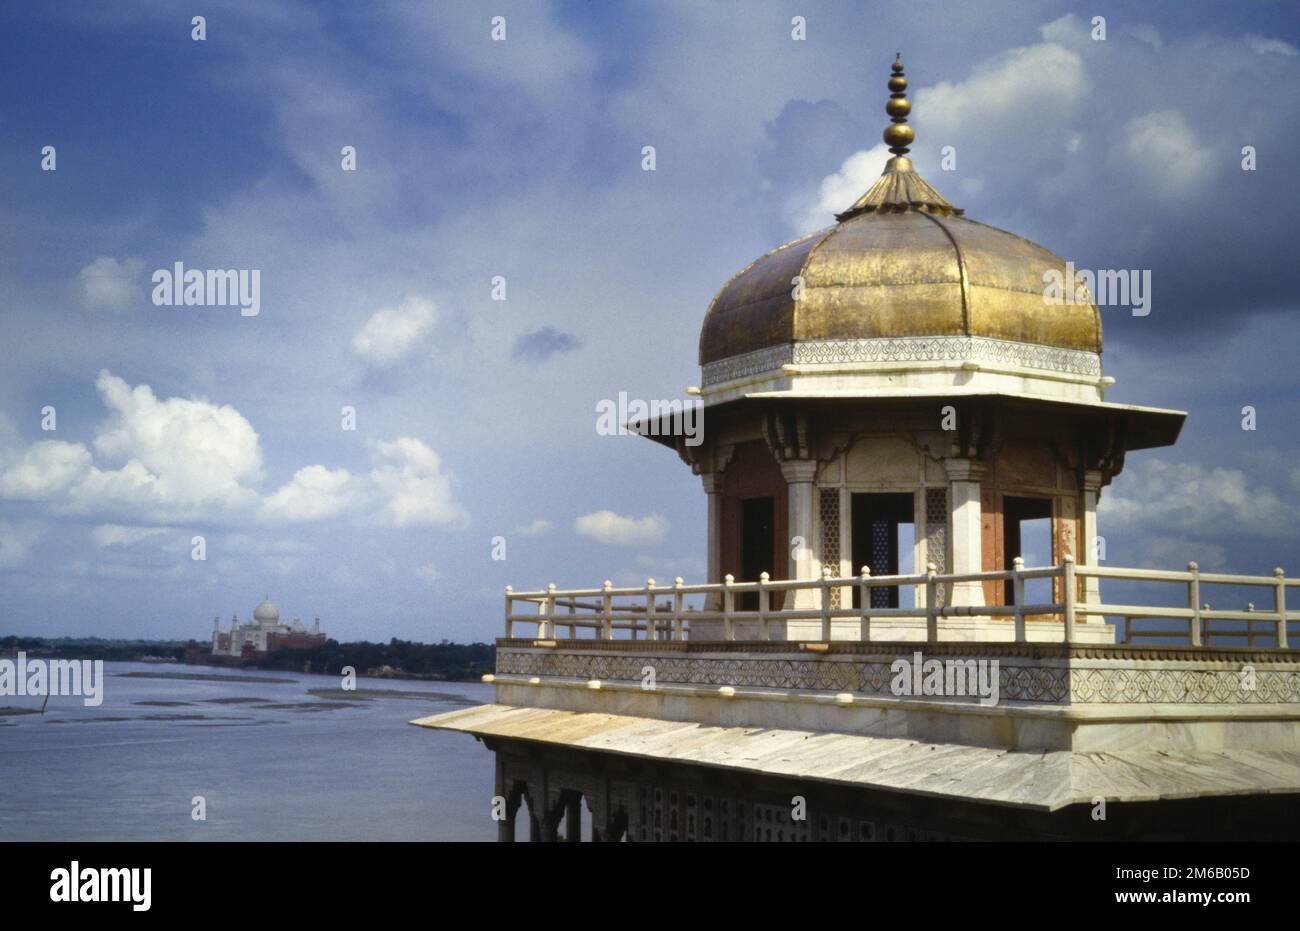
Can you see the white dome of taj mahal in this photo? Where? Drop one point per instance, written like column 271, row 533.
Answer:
column 267, row 612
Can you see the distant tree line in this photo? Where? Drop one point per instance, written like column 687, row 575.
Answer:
column 94, row 648
column 445, row 660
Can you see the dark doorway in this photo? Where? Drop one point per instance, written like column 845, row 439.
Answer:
column 757, row 546
column 1027, row 532
column 878, row 522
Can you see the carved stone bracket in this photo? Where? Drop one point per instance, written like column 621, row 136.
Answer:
column 787, row 435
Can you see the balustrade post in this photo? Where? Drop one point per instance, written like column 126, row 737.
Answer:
column 678, row 632
column 865, row 599
column 510, row 605
column 931, row 605
column 1067, row 581
column 546, row 628
column 651, row 627
column 1279, row 604
column 728, row 607
column 606, row 609
column 764, row 603
column 1194, row 602
column 826, row 604
column 1018, row 597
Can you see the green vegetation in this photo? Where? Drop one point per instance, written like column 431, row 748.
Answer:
column 94, row 648
column 445, row 660
column 399, row 658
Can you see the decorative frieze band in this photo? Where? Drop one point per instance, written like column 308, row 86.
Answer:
column 904, row 349
column 1121, row 684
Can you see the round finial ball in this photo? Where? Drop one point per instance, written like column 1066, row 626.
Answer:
column 898, row 84
column 898, row 135
column 898, row 107
column 898, row 64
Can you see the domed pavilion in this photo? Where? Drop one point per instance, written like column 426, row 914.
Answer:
column 896, row 390
column 895, row 411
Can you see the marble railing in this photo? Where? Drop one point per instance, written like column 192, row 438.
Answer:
column 817, row 610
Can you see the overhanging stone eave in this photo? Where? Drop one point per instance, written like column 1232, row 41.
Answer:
column 1145, row 427
column 1042, row 781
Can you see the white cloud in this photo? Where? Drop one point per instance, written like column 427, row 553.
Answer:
column 191, row 459
column 107, row 535
column 1207, row 502
column 1014, row 91
column 1028, row 94
column 107, row 284
column 314, row 493
column 1261, row 45
column 178, row 456
column 394, row 333
column 615, row 529
column 409, row 475
column 45, row 470
column 1163, row 148
column 16, row 541
column 839, row 191
column 532, row 529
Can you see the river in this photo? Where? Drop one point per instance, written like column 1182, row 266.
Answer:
column 270, row 760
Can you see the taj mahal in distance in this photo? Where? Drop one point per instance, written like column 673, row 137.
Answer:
column 264, row 634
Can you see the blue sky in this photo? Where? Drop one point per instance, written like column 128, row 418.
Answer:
column 522, row 159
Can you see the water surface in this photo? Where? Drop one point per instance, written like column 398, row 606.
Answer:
column 272, row 760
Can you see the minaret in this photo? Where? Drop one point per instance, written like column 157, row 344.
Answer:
column 315, row 627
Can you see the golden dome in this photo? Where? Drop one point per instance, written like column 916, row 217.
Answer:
column 901, row 263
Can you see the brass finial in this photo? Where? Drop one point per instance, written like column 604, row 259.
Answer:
column 899, row 135
column 899, row 188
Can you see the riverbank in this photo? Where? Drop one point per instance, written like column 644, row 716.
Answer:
column 397, row 659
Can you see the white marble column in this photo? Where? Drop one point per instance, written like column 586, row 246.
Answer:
column 964, row 476
column 799, row 475
column 1092, row 480
column 713, row 489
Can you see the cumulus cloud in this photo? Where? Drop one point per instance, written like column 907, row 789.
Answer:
column 314, row 493
column 1025, row 99
column 187, row 458
column 539, row 345
column 44, row 470
column 837, row 192
column 1014, row 92
column 1163, row 146
column 393, row 334
column 177, row 453
column 407, row 488
column 617, row 530
column 1165, row 496
column 418, row 492
column 107, row 284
